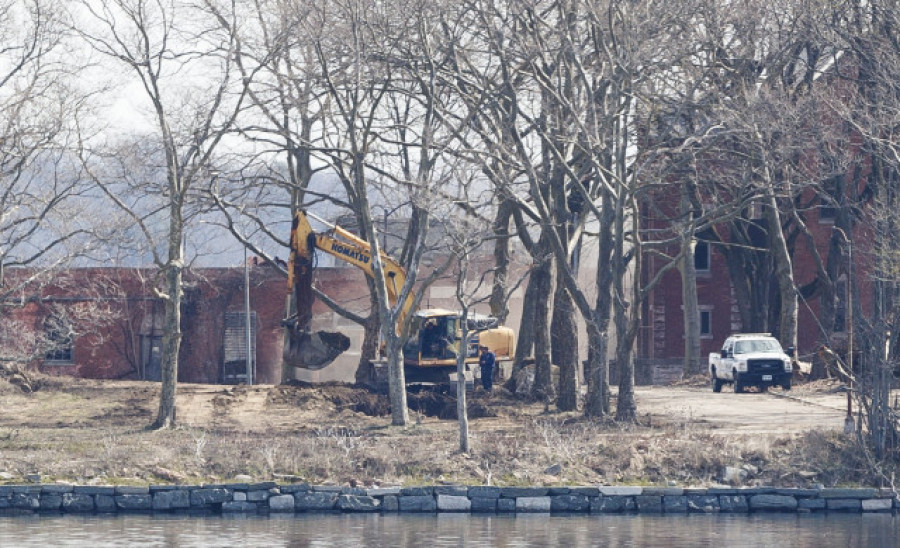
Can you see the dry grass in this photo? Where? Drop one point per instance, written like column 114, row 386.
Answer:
column 94, row 432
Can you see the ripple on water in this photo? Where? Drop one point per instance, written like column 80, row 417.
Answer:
column 444, row 530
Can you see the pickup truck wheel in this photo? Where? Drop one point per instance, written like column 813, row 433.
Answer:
column 787, row 385
column 716, row 383
column 738, row 385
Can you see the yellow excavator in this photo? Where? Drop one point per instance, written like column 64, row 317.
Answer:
column 435, row 334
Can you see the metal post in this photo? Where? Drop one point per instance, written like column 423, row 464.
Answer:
column 850, row 322
column 247, row 327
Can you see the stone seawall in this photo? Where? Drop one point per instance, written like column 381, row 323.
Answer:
column 270, row 497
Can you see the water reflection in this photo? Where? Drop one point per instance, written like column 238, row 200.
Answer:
column 452, row 530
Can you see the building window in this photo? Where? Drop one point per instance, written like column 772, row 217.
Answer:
column 706, row 324
column 827, row 214
column 701, row 256
column 829, row 200
column 840, row 309
column 59, row 338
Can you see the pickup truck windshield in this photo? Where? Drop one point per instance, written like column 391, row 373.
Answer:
column 763, row 345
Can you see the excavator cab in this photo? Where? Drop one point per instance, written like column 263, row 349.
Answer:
column 435, row 339
column 432, row 338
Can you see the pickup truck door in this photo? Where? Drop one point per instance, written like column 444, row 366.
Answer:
column 727, row 361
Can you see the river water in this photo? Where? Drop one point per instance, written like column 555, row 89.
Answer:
column 456, row 530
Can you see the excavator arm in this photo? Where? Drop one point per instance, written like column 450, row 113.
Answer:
column 310, row 351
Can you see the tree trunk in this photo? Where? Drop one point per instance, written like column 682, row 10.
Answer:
column 784, row 274
column 835, row 263
column 369, row 350
column 525, row 334
column 627, row 314
column 690, row 308
column 626, row 406
column 876, row 352
column 396, row 381
column 881, row 423
column 564, row 349
column 290, row 308
column 687, row 268
column 525, row 342
column 747, row 270
column 461, row 414
column 165, row 417
column 597, row 404
column 543, row 275
column 500, row 287
column 740, row 285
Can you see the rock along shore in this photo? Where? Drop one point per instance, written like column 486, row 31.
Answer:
column 270, row 497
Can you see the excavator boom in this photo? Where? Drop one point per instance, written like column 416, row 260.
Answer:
column 348, row 248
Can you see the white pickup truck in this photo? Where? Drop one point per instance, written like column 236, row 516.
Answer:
column 751, row 359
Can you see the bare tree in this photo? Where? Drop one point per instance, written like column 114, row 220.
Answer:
column 867, row 35
column 39, row 109
column 467, row 239
column 283, row 122
column 44, row 224
column 157, row 43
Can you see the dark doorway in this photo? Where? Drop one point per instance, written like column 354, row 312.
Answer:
column 151, row 357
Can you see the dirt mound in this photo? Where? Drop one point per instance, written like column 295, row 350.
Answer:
column 479, row 409
column 811, row 387
column 821, row 386
column 440, row 402
column 340, row 395
column 432, row 401
column 25, row 380
column 699, row 379
column 359, row 400
column 432, row 404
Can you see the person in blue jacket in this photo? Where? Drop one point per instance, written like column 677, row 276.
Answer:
column 487, row 361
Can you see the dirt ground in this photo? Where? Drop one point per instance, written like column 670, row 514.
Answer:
column 776, row 412
column 91, row 431
column 282, row 408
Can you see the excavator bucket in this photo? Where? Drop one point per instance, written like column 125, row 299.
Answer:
column 314, row 351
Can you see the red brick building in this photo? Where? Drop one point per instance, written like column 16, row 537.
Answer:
column 106, row 323
column 661, row 340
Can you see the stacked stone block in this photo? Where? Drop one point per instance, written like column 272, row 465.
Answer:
column 270, row 497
